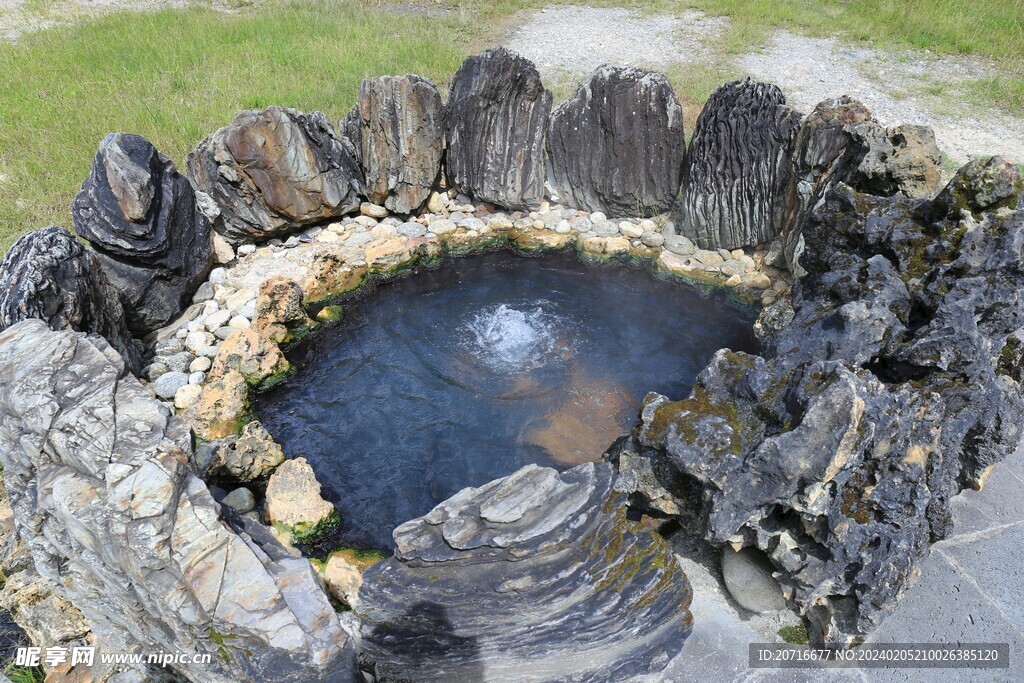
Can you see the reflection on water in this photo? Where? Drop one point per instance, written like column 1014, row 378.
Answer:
column 454, row 377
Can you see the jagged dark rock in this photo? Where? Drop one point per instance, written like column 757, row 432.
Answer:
column 840, row 141
column 50, row 276
column 132, row 537
column 494, row 121
column 617, row 145
column 397, row 133
column 737, row 167
column 538, row 573
column 897, row 383
column 273, row 171
column 141, row 217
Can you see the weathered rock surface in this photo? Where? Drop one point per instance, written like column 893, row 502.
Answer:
column 280, row 315
column 494, row 121
column 251, row 455
column 747, row 574
column 617, row 145
column 141, row 217
column 50, row 276
column 293, row 499
column 536, row 573
column 896, row 384
column 397, row 132
column 274, row 170
column 737, row 167
column 133, row 538
column 840, row 141
column 258, row 359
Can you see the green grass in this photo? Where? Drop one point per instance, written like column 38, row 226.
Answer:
column 23, row 674
column 175, row 76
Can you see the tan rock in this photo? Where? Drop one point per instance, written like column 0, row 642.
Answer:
column 222, row 251
column 330, row 275
column 343, row 572
column 435, row 204
column 253, row 455
column 251, row 354
column 221, row 408
column 279, row 310
column 293, row 501
column 757, row 280
column 542, row 240
column 394, row 253
column 187, row 396
column 616, row 245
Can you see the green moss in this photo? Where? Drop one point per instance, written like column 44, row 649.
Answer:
column 797, row 635
column 222, row 642
column 853, row 504
column 358, row 557
column 304, row 532
column 686, row 414
column 330, row 314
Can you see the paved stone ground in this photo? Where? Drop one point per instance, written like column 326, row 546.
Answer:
column 971, row 590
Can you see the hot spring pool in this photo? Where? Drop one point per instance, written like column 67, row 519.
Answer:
column 453, row 377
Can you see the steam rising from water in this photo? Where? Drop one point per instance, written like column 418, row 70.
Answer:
column 510, row 340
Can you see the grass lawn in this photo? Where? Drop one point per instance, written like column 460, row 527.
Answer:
column 175, row 76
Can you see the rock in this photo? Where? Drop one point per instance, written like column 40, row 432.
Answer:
column 498, row 571
column 890, row 382
column 411, row 229
column 256, row 358
column 49, row 275
column 221, row 408
column 436, row 204
column 442, row 226
column 737, row 167
column 240, row 500
column 222, row 251
column 652, row 239
column 167, row 385
column 757, row 280
column 679, row 244
column 131, row 537
column 343, row 573
column 293, row 501
column 397, row 132
column 842, row 142
column 141, row 217
column 617, row 145
column 250, row 456
column 197, row 340
column 494, row 121
column 196, row 378
column 199, row 365
column 373, row 210
column 630, row 229
column 280, row 315
column 187, row 396
column 748, row 578
column 275, row 170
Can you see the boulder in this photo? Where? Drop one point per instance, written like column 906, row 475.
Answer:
column 222, row 408
column 748, row 578
column 840, row 141
column 294, row 504
column 494, row 123
column 130, row 536
column 141, row 217
column 737, row 167
column 617, row 145
column 273, row 171
column 256, row 358
column 280, row 315
column 537, row 572
column 252, row 455
column 50, row 276
column 397, row 132
column 894, row 384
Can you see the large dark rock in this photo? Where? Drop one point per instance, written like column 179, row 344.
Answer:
column 737, row 168
column 141, row 217
column 107, row 504
column 617, row 145
column 898, row 382
column 536, row 576
column 50, row 276
column 494, row 122
column 397, row 133
column 273, row 171
column 840, row 141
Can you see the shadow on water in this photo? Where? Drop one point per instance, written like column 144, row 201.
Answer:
column 423, row 643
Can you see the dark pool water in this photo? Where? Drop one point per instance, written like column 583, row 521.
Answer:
column 450, row 378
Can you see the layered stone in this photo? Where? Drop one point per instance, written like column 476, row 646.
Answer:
column 397, row 133
column 274, row 170
column 494, row 122
column 536, row 572
column 142, row 218
column 617, row 145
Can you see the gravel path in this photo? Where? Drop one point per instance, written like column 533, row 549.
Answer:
column 899, row 87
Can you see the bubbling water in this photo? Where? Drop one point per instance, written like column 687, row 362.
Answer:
column 510, row 340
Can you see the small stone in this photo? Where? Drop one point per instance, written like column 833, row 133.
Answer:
column 365, row 221
column 748, row 578
column 472, row 224
column 652, row 239
column 563, row 227
column 708, row 258
column 327, row 236
column 293, row 501
column 240, row 298
column 630, row 230
column 725, row 254
column 222, row 251
column 187, row 396
column 373, row 210
column 178, row 362
column 200, row 365
column 217, row 319
column 204, row 293
column 647, row 225
column 239, row 322
column 247, row 310
column 737, row 254
column 168, row 384
column 442, row 226
column 500, row 222
column 197, row 378
column 343, row 579
column 208, row 351
column 383, row 231
column 436, row 203
column 153, row 371
column 197, row 340
column 757, row 280
column 241, row 500
column 598, row 217
column 359, row 239
column 223, row 333
column 246, row 249
column 734, row 281
column 412, row 229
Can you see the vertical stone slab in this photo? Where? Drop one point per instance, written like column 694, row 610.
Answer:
column 617, row 145
column 396, row 130
column 737, row 168
column 495, row 121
